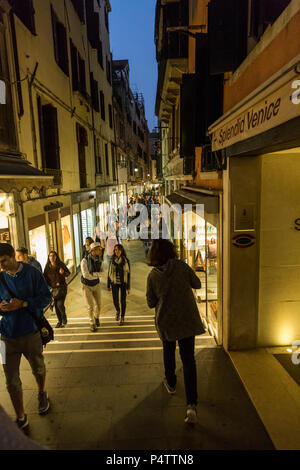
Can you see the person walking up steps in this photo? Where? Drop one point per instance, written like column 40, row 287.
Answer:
column 119, row 280
column 91, row 268
column 18, row 329
column 55, row 274
column 169, row 290
column 22, row 255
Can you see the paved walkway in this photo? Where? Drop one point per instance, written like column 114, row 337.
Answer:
column 106, row 387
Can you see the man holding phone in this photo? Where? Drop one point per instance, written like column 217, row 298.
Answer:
column 19, row 331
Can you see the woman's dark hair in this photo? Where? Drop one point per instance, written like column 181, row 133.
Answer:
column 160, row 252
column 122, row 249
column 7, row 250
column 89, row 239
column 58, row 261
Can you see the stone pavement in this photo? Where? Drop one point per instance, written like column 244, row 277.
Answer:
column 106, row 388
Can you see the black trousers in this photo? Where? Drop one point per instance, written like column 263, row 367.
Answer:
column 186, row 350
column 60, row 308
column 116, row 288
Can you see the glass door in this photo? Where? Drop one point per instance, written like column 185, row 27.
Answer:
column 53, row 246
column 76, row 238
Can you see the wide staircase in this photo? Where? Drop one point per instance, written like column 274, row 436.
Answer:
column 137, row 334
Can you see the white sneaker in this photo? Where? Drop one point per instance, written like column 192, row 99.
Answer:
column 191, row 414
column 170, row 390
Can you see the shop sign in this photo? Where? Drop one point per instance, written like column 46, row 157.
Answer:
column 52, row 206
column 243, row 241
column 271, row 111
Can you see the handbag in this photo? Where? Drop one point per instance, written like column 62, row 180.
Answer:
column 45, row 329
column 58, row 292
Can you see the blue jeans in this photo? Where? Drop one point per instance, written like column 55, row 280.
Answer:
column 186, row 350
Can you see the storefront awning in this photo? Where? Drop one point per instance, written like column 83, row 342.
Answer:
column 14, row 165
column 15, row 172
column 210, row 202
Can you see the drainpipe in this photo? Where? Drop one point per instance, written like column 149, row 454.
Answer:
column 30, row 83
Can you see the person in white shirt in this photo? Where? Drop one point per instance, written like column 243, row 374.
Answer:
column 91, row 268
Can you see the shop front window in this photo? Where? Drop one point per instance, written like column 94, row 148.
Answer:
column 38, row 244
column 102, row 212
column 76, row 238
column 212, row 274
column 53, row 246
column 88, row 223
column 67, row 241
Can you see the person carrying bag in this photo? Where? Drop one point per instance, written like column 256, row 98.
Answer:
column 55, row 274
column 23, row 296
column 45, row 329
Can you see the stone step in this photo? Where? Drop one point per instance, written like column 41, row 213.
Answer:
column 109, row 344
column 210, row 345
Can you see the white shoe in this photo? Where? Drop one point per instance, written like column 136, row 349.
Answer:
column 191, row 414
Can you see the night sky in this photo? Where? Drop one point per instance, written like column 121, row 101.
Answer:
column 132, row 38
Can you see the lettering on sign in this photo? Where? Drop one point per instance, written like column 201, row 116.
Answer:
column 297, row 224
column 250, row 120
column 271, row 111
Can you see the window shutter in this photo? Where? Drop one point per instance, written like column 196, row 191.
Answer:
column 55, row 36
column 74, row 65
column 94, row 93
column 227, row 29
column 93, row 24
column 25, row 12
column 63, row 48
column 209, row 91
column 110, row 116
column 102, row 104
column 82, row 76
column 100, row 53
column 79, row 8
column 60, row 43
column 187, row 115
column 51, row 139
column 265, row 12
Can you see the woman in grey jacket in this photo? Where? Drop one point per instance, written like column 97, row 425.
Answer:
column 169, row 290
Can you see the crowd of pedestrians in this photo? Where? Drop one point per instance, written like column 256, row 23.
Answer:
column 25, row 288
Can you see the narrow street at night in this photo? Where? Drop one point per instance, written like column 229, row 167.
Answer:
column 106, row 388
column 149, row 228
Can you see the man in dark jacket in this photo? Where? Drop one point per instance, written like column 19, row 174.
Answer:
column 19, row 332
column 22, row 255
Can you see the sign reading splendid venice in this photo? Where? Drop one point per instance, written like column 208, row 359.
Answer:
column 276, row 108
